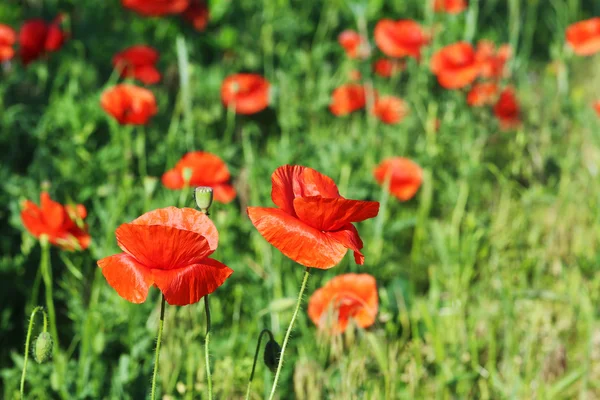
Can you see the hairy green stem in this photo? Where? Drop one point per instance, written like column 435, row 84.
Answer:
column 260, row 336
column 157, row 353
column 27, row 341
column 46, row 270
column 288, row 333
column 206, row 342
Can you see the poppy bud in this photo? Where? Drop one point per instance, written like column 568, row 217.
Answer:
column 43, row 348
column 204, row 198
column 272, row 355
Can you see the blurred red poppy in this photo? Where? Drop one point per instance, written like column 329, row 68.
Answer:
column 584, row 36
column 63, row 225
column 456, row 65
column 206, row 169
column 138, row 62
column 347, row 99
column 129, row 104
column 167, row 248
column 400, row 38
column 492, row 62
column 8, row 37
column 313, row 223
column 386, row 68
column 482, row 94
column 390, row 109
column 450, row 6
column 507, row 109
column 345, row 297
column 597, row 107
column 197, row 14
column 405, row 177
column 37, row 37
column 247, row 93
column 354, row 44
column 156, row 7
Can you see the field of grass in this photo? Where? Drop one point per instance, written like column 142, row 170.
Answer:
column 488, row 279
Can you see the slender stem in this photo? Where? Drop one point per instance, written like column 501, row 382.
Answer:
column 206, row 341
column 289, row 331
column 46, row 269
column 27, row 341
column 158, row 340
column 256, row 358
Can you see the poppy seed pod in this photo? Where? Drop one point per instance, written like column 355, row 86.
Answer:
column 272, row 354
column 204, row 198
column 42, row 350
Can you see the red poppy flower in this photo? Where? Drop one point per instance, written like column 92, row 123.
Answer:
column 167, row 248
column 8, row 37
column 128, row 104
column 197, row 14
column 390, row 109
column 37, row 37
column 400, row 38
column 354, row 44
column 345, row 297
column 482, row 94
column 138, row 62
column 405, row 177
column 492, row 62
column 597, row 107
column 313, row 224
column 248, row 93
column 387, row 68
column 63, row 225
column 347, row 99
column 584, row 36
column 156, row 7
column 206, row 170
column 456, row 65
column 507, row 109
column 450, row 6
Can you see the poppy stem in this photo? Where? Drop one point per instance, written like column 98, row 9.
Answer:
column 27, row 341
column 206, row 341
column 288, row 333
column 46, row 270
column 158, row 340
column 256, row 358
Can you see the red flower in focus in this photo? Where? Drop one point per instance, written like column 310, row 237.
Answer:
column 584, row 37
column 167, row 248
column 206, row 169
column 197, row 14
column 450, row 6
column 387, row 68
column 37, row 37
column 492, row 61
column 8, row 37
column 597, row 107
column 248, row 93
column 345, row 297
column 400, row 38
column 507, row 109
column 405, row 177
column 354, row 44
column 313, row 223
column 129, row 104
column 138, row 62
column 482, row 94
column 63, row 225
column 347, row 99
column 456, row 65
column 155, row 8
column 390, row 109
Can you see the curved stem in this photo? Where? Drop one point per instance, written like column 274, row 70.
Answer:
column 288, row 333
column 256, row 358
column 46, row 270
column 27, row 341
column 158, row 340
column 206, row 341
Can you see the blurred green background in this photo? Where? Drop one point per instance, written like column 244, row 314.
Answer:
column 488, row 279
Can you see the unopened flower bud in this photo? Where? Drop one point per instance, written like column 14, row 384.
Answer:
column 204, row 197
column 272, row 355
column 42, row 350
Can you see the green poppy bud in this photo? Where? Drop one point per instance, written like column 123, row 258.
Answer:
column 42, row 350
column 272, row 355
column 204, row 197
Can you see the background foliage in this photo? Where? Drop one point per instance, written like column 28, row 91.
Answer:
column 488, row 279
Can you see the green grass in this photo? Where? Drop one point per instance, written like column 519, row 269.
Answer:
column 488, row 279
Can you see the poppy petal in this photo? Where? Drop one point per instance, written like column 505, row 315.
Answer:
column 326, row 214
column 224, row 193
column 296, row 240
column 31, row 215
column 189, row 284
column 349, row 238
column 147, row 74
column 53, row 213
column 173, row 179
column 127, row 276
